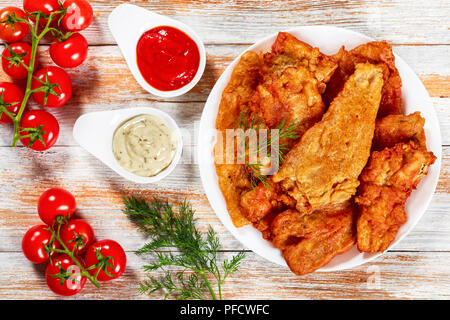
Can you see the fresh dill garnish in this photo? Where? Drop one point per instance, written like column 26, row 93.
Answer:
column 196, row 253
column 255, row 169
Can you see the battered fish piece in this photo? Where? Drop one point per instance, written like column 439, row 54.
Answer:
column 239, row 91
column 288, row 51
column 233, row 178
column 398, row 128
column 262, row 204
column 294, row 95
column 293, row 78
column 234, row 182
column 308, row 242
column 376, row 52
column 323, row 167
column 386, row 184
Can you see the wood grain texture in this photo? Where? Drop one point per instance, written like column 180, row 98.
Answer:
column 390, row 278
column 417, row 268
column 245, row 21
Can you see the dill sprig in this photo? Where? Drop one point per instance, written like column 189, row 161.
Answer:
column 245, row 123
column 196, row 253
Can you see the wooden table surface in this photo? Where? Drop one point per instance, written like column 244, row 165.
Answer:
column 419, row 267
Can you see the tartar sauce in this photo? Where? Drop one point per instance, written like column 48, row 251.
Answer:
column 144, row 145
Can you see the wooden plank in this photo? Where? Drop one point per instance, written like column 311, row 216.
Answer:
column 418, row 268
column 104, row 82
column 403, row 275
column 105, row 77
column 187, row 115
column 99, row 192
column 243, row 21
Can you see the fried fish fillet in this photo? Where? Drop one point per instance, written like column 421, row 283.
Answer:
column 233, row 178
column 376, row 52
column 310, row 241
column 323, row 167
column 398, row 128
column 239, row 91
column 293, row 78
column 293, row 95
column 288, row 51
column 262, row 204
column 386, row 184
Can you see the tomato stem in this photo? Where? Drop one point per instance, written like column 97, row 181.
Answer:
column 35, row 39
column 66, row 250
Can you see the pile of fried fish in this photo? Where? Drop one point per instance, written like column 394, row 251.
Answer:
column 355, row 160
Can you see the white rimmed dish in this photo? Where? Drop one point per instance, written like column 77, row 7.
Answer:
column 94, row 132
column 328, row 40
column 129, row 22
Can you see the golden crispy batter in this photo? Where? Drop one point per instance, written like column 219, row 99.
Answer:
column 398, row 128
column 233, row 182
column 292, row 95
column 262, row 204
column 308, row 242
column 288, row 51
column 233, row 178
column 292, row 225
column 241, row 87
column 293, row 77
column 376, row 52
column 386, row 183
column 326, row 162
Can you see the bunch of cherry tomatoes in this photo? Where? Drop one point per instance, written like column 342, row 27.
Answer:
column 63, row 241
column 68, row 49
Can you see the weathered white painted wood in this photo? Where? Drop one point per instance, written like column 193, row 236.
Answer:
column 243, row 21
column 105, row 77
column 418, row 268
column 104, row 82
column 404, row 275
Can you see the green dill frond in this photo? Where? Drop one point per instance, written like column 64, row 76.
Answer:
column 194, row 252
column 254, row 170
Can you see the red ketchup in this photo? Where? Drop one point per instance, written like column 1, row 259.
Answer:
column 167, row 58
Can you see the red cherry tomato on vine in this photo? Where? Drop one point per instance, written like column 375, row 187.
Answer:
column 14, row 68
column 71, row 52
column 33, row 244
column 6, row 29
column 78, row 16
column 60, row 83
column 107, row 248
column 12, row 97
column 56, row 202
column 45, row 6
column 70, row 286
column 50, row 129
column 79, row 233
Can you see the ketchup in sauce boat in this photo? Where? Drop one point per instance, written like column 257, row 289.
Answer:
column 167, row 58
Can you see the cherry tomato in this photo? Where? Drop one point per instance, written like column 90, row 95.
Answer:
column 35, row 118
column 45, row 6
column 33, row 244
column 13, row 95
column 60, row 82
column 15, row 69
column 6, row 30
column 71, row 285
column 78, row 16
column 79, row 233
column 56, row 202
column 71, row 52
column 107, row 248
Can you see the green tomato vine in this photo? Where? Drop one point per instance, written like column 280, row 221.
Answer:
column 47, row 88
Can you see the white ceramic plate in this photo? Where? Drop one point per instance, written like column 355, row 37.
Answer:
column 328, row 40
